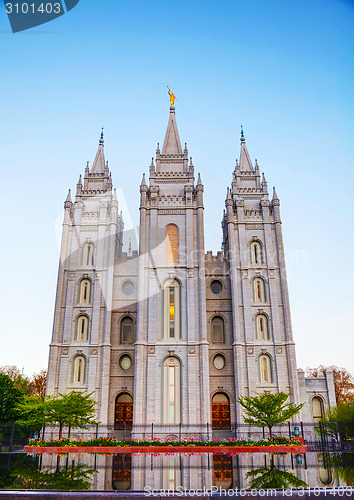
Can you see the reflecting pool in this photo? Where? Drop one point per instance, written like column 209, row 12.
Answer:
column 175, row 471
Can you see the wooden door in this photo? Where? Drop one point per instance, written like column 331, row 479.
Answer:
column 220, row 411
column 124, row 412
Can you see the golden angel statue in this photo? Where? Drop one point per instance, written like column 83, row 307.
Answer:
column 173, row 98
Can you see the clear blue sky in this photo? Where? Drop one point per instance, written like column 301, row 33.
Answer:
column 282, row 68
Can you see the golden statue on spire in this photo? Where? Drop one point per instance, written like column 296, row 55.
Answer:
column 173, row 98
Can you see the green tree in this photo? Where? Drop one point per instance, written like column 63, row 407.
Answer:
column 268, row 409
column 340, row 420
column 74, row 409
column 271, row 477
column 10, row 396
column 73, row 478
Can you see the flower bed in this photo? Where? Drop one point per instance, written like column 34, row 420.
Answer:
column 156, row 445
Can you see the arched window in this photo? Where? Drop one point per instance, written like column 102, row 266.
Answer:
column 123, row 416
column 259, row 290
column 172, row 311
column 265, row 369
column 317, row 408
column 220, row 411
column 87, row 254
column 82, row 325
column 262, row 327
column 79, row 370
column 85, row 291
column 126, row 330
column 256, row 253
column 171, row 391
column 171, row 244
column 217, row 329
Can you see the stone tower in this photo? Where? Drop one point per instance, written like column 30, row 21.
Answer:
column 80, row 350
column 263, row 346
column 171, row 350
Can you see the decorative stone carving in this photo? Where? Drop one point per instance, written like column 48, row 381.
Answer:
column 191, row 350
column 279, row 350
column 65, row 351
column 250, row 351
column 93, row 351
column 151, row 350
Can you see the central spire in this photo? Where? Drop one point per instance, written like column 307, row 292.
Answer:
column 172, row 143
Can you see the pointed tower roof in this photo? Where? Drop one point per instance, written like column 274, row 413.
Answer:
column 245, row 160
column 172, row 143
column 99, row 162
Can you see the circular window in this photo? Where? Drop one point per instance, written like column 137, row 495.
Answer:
column 125, row 362
column 219, row 361
column 128, row 287
column 216, row 286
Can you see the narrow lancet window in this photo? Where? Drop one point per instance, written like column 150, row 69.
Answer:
column 172, row 310
column 259, row 290
column 171, row 243
column 256, row 253
column 85, row 291
column 79, row 370
column 87, row 255
column 265, row 369
column 262, row 330
column 82, row 328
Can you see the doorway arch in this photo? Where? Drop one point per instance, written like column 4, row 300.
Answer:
column 220, row 411
column 123, row 414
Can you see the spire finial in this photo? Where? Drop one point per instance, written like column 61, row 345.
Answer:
column 101, row 139
column 242, row 135
column 173, row 98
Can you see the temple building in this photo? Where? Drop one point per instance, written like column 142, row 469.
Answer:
column 171, row 335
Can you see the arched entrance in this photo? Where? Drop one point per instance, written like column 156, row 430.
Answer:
column 122, row 471
column 220, row 411
column 123, row 416
column 222, row 477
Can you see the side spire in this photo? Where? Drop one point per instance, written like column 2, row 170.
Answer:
column 172, row 143
column 245, row 160
column 99, row 162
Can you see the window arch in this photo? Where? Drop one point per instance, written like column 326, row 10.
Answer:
column 265, row 369
column 123, row 415
column 171, row 244
column 171, row 390
column 82, row 328
column 79, row 370
column 87, row 254
column 85, row 291
column 126, row 330
column 172, row 311
column 317, row 408
column 259, row 290
column 220, row 411
column 256, row 252
column 262, row 327
column 217, row 329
